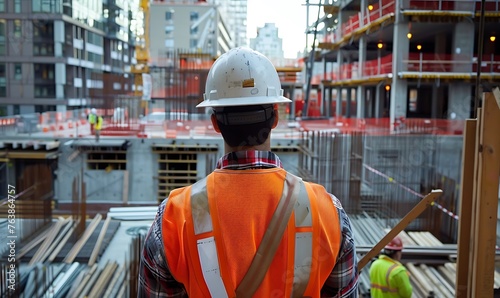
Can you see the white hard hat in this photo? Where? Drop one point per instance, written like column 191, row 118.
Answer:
column 93, row 111
column 242, row 77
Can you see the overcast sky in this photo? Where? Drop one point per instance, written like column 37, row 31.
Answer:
column 288, row 15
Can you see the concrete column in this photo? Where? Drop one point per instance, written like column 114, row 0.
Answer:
column 348, row 102
column 460, row 95
column 340, row 62
column 362, row 11
column 462, row 46
column 361, row 92
column 330, row 96
column 399, row 54
column 324, row 100
column 58, row 38
column 440, row 43
column 338, row 106
column 379, row 100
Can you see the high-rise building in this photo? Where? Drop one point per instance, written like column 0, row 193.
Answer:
column 237, row 18
column 210, row 27
column 61, row 55
column 269, row 43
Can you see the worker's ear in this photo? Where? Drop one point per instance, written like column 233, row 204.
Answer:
column 276, row 115
column 214, row 122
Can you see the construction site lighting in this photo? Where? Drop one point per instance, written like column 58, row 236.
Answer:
column 493, row 38
column 380, row 45
column 409, row 35
column 387, row 87
column 370, row 7
column 419, row 47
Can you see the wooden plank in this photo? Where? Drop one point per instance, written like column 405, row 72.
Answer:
column 67, row 223
column 496, row 93
column 465, row 207
column 61, row 244
column 46, row 243
column 97, row 247
column 486, row 215
column 79, row 244
column 401, row 225
column 477, row 166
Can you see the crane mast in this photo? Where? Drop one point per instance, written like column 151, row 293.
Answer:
column 141, row 68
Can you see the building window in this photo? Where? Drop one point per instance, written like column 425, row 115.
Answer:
column 107, row 159
column 45, row 91
column 2, row 5
column 3, row 81
column 193, row 43
column 43, row 29
column 94, row 39
column 43, row 49
column 18, row 71
column 18, row 32
column 169, row 15
column 44, row 71
column 169, row 29
column 169, row 43
column 17, row 6
column 96, row 58
column 194, row 16
column 2, row 37
column 53, row 6
column 194, row 30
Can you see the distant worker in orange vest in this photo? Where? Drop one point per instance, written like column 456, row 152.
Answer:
column 388, row 277
column 92, row 117
column 250, row 228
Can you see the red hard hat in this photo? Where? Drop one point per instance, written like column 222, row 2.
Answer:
column 395, row 244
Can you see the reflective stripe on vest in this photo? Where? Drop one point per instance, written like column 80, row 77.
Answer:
column 207, row 251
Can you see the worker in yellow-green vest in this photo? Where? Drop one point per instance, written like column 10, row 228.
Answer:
column 92, row 117
column 98, row 127
column 388, row 277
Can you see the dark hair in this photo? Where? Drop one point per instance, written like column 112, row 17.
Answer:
column 245, row 133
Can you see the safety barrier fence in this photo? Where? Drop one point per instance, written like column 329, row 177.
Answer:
column 416, row 62
column 431, row 62
column 381, row 126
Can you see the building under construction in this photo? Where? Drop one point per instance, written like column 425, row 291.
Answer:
column 397, row 100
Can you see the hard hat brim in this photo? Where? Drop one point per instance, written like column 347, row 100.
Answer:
column 238, row 101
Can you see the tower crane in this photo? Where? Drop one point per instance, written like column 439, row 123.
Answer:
column 141, row 67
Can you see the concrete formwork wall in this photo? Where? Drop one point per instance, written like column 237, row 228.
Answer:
column 142, row 166
column 399, row 170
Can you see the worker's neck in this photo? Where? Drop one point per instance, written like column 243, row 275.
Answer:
column 266, row 146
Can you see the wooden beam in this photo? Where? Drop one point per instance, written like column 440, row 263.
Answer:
column 487, row 199
column 97, row 247
column 465, row 205
column 400, row 226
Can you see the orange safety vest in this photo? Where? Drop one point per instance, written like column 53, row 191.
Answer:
column 212, row 229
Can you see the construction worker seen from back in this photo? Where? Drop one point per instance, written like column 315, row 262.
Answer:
column 92, row 118
column 388, row 277
column 250, row 228
column 98, row 126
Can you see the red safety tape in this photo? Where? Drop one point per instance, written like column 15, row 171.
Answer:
column 411, row 191
column 446, row 211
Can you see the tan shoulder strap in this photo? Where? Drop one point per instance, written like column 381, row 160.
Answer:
column 272, row 237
